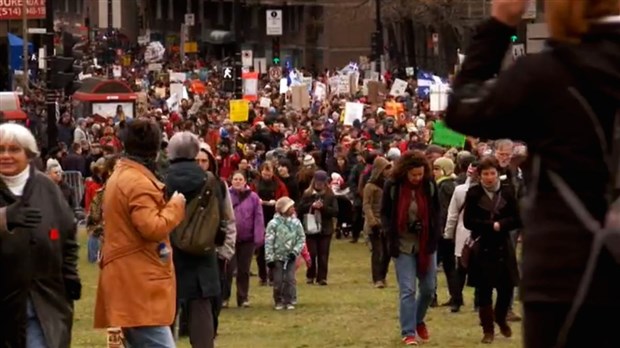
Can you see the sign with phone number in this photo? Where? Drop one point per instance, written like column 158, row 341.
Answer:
column 12, row 9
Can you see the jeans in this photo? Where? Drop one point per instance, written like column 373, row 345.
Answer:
column 412, row 310
column 34, row 331
column 283, row 282
column 149, row 337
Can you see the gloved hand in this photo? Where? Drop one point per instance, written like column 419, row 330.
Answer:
column 271, row 264
column 292, row 257
column 19, row 215
column 73, row 289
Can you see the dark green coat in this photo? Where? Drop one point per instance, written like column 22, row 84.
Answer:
column 37, row 264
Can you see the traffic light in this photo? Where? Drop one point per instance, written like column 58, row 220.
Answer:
column 376, row 46
column 514, row 38
column 275, row 50
column 238, row 76
column 64, row 71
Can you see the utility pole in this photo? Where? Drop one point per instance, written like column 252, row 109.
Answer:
column 379, row 29
column 50, row 95
column 25, row 43
column 237, row 53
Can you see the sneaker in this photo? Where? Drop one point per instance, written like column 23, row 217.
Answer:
column 323, row 282
column 279, row 307
column 309, row 281
column 410, row 341
column 290, row 307
column 379, row 285
column 224, row 304
column 423, row 332
column 294, row 302
column 245, row 304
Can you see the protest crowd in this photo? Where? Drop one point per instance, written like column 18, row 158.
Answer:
column 180, row 194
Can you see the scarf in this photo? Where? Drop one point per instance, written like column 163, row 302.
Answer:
column 404, row 199
column 149, row 163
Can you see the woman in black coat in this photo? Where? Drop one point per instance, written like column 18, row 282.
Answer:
column 563, row 103
column 198, row 280
column 38, row 251
column 491, row 212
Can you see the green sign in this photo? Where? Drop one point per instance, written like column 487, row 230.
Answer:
column 442, row 135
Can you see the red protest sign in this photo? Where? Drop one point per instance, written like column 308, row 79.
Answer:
column 12, row 9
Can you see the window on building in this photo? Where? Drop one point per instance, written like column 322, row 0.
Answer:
column 254, row 17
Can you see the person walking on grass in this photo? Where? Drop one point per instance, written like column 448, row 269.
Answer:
column 409, row 217
column 284, row 241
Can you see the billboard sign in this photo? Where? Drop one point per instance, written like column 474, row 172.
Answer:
column 12, row 9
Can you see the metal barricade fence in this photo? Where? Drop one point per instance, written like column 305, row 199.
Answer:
column 74, row 179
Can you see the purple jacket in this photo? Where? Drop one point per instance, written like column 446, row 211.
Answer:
column 248, row 216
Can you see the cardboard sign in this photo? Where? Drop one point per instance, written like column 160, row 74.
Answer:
column 300, row 97
column 239, row 110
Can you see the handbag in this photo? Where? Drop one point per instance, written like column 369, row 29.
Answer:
column 472, row 245
column 311, row 224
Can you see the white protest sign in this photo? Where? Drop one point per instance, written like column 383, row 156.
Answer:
column 195, row 106
column 439, row 97
column 352, row 112
column 247, row 58
column 264, row 102
column 308, row 82
column 177, row 77
column 173, row 102
column 398, row 88
column 117, row 71
column 344, row 84
column 320, row 90
column 250, row 87
column 283, row 86
column 333, row 84
column 154, row 52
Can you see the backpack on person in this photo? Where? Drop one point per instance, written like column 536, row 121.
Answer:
column 201, row 230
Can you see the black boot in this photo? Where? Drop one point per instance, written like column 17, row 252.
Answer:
column 488, row 326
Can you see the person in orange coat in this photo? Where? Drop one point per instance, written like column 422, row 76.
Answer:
column 136, row 290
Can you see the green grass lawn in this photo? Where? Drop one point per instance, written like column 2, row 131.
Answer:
column 347, row 313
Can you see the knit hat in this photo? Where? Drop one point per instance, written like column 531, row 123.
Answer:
column 321, row 176
column 393, row 154
column 283, row 204
column 445, row 164
column 308, row 161
column 143, row 139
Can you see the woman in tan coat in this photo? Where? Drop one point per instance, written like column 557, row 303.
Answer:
column 373, row 191
column 137, row 284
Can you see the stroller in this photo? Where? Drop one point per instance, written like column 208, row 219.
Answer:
column 344, row 223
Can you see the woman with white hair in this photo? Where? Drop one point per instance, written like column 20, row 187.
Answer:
column 39, row 279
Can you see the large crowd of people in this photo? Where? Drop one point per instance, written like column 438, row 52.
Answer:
column 178, row 200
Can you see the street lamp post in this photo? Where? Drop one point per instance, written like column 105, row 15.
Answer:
column 50, row 96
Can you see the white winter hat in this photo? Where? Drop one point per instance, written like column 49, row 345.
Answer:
column 283, row 204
